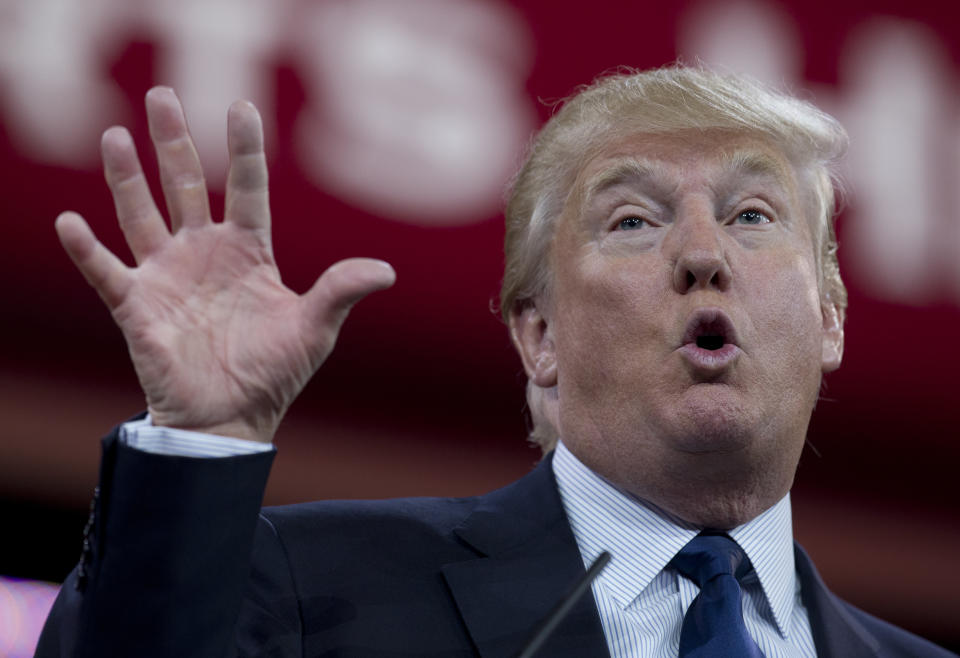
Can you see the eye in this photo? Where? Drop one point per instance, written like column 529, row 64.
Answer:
column 752, row 218
column 631, row 223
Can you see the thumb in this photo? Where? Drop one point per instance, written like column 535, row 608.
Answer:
column 345, row 283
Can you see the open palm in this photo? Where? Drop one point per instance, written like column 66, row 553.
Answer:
column 219, row 344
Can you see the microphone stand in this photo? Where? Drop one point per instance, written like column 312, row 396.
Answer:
column 547, row 626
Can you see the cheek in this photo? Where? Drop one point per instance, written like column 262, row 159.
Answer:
column 611, row 304
column 786, row 311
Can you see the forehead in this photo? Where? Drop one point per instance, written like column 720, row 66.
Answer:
column 718, row 159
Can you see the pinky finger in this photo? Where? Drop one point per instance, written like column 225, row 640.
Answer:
column 102, row 270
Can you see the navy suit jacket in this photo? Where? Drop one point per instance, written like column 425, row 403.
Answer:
column 167, row 571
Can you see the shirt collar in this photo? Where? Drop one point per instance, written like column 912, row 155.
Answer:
column 768, row 542
column 642, row 539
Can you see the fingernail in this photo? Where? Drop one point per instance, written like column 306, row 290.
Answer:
column 118, row 134
column 159, row 90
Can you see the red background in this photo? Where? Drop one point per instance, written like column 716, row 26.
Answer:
column 423, row 394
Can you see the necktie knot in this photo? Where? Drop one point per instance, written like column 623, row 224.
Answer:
column 713, row 626
column 709, row 556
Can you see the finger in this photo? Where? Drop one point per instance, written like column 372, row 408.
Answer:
column 180, row 173
column 137, row 214
column 344, row 284
column 102, row 270
column 247, row 199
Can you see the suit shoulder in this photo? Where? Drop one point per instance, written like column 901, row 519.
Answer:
column 528, row 496
column 894, row 640
column 358, row 531
column 349, row 538
column 439, row 512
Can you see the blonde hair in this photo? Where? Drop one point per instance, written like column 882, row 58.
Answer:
column 663, row 101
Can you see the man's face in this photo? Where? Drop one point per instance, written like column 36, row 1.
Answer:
column 685, row 323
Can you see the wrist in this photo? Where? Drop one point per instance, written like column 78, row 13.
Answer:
column 234, row 429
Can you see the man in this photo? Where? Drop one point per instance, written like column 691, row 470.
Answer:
column 671, row 285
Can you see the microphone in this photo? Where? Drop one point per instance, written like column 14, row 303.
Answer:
column 547, row 626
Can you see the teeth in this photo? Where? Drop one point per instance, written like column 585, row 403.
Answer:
column 710, row 342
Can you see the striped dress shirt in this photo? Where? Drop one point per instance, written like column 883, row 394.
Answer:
column 642, row 600
column 143, row 435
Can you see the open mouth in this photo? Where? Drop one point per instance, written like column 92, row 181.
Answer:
column 710, row 344
column 710, row 341
column 710, row 329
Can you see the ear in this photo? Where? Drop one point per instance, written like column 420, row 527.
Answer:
column 531, row 335
column 832, row 335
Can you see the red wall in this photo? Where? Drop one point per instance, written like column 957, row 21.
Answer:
column 393, row 127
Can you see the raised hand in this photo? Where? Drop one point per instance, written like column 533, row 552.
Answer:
column 219, row 344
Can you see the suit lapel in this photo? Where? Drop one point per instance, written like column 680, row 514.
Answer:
column 836, row 633
column 530, row 561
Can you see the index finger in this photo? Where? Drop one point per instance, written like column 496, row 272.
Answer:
column 247, row 197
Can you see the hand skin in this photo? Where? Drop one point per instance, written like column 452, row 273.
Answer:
column 219, row 344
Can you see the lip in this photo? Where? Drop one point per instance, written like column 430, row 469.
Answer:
column 710, row 361
column 715, row 322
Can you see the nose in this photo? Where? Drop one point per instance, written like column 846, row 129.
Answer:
column 700, row 260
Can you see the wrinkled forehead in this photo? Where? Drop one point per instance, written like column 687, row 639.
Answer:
column 719, row 159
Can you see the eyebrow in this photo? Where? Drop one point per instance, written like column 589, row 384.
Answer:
column 758, row 164
column 624, row 171
column 739, row 162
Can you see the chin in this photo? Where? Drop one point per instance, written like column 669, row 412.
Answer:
column 725, row 511
column 713, row 456
column 712, row 421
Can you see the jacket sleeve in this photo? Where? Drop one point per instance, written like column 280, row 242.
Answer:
column 166, row 557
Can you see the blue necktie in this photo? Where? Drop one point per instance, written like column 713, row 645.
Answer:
column 713, row 626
